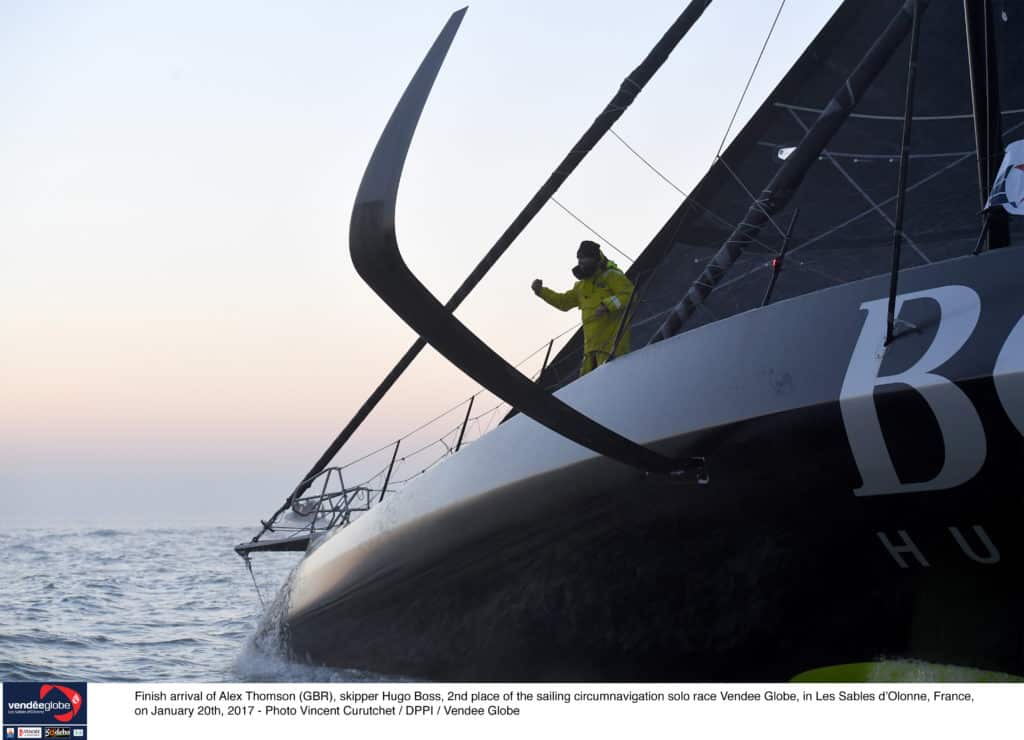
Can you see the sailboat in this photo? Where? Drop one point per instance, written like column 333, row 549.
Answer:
column 811, row 458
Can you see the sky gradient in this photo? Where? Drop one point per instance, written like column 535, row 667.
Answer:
column 182, row 330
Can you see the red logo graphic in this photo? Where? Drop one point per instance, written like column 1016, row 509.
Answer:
column 72, row 696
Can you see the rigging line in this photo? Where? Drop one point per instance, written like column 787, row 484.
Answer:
column 409, row 455
column 415, row 475
column 248, row 564
column 379, row 474
column 443, row 414
column 440, row 416
column 482, row 414
column 688, row 196
column 749, row 80
column 893, row 158
column 440, row 440
column 388, row 446
column 589, row 228
column 856, row 186
column 862, row 214
column 885, row 202
column 654, row 317
column 806, row 267
column 753, row 199
column 540, row 348
column 653, row 169
column 739, row 104
column 862, row 155
column 878, row 117
column 573, row 328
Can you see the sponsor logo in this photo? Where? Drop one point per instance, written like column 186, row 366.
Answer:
column 9, row 732
column 78, row 732
column 30, row 703
column 954, row 415
column 57, row 732
column 956, row 419
column 30, row 732
column 1008, row 189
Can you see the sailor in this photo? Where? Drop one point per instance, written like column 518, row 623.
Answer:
column 601, row 293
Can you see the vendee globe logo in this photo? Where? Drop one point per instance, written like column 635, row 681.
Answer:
column 30, row 703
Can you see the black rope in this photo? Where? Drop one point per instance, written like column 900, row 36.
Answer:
column 248, row 564
column 589, row 228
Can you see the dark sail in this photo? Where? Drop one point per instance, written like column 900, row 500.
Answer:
column 847, row 201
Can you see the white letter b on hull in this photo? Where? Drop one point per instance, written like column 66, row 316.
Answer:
column 962, row 435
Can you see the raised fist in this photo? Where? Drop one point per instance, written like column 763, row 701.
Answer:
column 537, row 285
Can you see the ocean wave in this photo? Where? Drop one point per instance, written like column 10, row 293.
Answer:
column 105, row 533
column 118, row 604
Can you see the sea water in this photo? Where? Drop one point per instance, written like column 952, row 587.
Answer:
column 153, row 605
column 174, row 605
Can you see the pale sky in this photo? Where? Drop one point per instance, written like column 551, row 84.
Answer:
column 182, row 330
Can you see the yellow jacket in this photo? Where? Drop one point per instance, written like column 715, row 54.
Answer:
column 609, row 288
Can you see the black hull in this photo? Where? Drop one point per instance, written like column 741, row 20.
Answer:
column 591, row 572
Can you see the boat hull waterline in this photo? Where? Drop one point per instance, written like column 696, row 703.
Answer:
column 862, row 504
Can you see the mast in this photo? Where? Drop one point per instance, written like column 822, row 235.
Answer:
column 983, row 61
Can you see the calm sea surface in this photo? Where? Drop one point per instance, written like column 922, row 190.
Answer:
column 169, row 605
